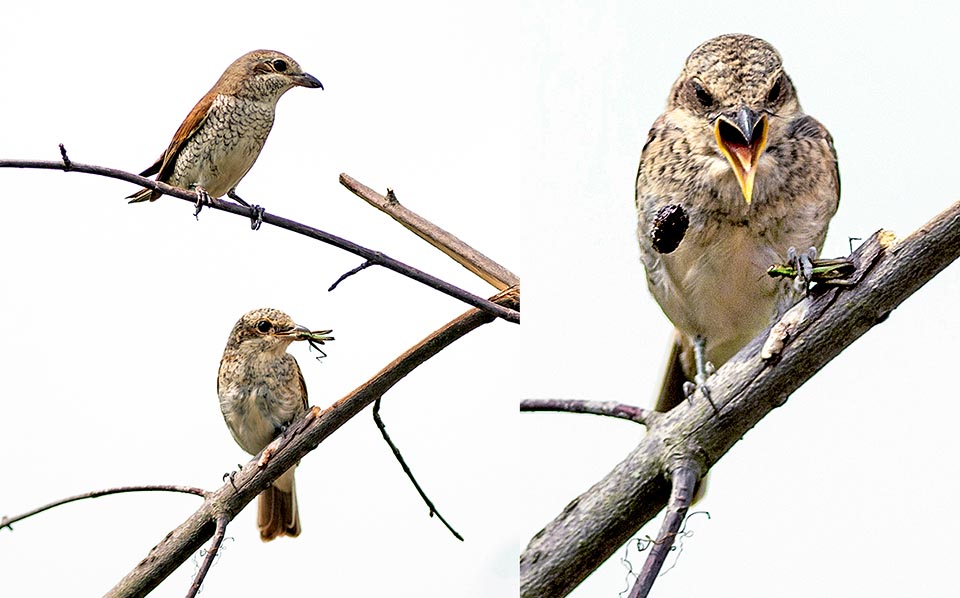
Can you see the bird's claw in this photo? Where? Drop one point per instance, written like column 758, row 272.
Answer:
column 690, row 389
column 231, row 475
column 256, row 217
column 203, row 199
column 803, row 264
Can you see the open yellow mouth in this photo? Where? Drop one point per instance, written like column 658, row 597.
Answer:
column 742, row 141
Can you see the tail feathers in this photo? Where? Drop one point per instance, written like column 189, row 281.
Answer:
column 671, row 391
column 672, row 394
column 277, row 514
column 143, row 195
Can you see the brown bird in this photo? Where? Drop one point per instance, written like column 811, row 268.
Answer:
column 261, row 392
column 222, row 136
column 754, row 176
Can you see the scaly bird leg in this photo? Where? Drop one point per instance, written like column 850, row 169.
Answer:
column 705, row 369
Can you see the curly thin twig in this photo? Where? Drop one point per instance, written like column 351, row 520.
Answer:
column 683, row 482
column 222, row 522
column 285, row 223
column 406, row 470
column 608, row 408
column 6, row 521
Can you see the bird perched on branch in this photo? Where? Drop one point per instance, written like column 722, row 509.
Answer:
column 261, row 392
column 748, row 176
column 222, row 136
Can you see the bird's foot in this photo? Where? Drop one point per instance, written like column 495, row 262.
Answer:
column 803, row 265
column 203, row 199
column 256, row 212
column 231, row 475
column 256, row 217
column 700, row 383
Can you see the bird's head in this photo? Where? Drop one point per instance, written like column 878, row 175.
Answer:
column 265, row 73
column 734, row 87
column 268, row 330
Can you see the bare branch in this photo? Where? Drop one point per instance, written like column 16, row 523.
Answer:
column 301, row 438
column 406, row 470
column 373, row 256
column 7, row 521
column 745, row 390
column 460, row 252
column 607, row 408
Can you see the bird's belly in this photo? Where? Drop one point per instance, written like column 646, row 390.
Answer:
column 254, row 419
column 720, row 291
column 216, row 166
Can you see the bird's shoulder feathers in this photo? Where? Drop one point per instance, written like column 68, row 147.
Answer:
column 190, row 125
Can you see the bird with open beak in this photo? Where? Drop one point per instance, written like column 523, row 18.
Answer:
column 261, row 392
column 755, row 177
column 221, row 138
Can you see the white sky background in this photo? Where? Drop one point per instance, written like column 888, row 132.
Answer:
column 517, row 126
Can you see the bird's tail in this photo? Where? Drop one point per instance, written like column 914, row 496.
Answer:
column 143, row 195
column 277, row 513
column 671, row 390
column 672, row 394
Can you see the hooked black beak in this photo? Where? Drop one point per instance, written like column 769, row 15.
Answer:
column 307, row 80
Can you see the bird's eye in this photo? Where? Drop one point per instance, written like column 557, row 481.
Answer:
column 264, row 326
column 703, row 96
column 279, row 65
column 774, row 94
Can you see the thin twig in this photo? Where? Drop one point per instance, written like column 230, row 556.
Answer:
column 376, row 257
column 683, row 482
column 456, row 249
column 208, row 559
column 347, row 275
column 406, row 470
column 607, row 408
column 6, row 521
column 67, row 165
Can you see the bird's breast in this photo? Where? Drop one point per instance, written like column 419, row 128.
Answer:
column 259, row 396
column 225, row 147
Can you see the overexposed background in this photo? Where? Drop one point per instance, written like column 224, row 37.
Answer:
column 517, row 126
